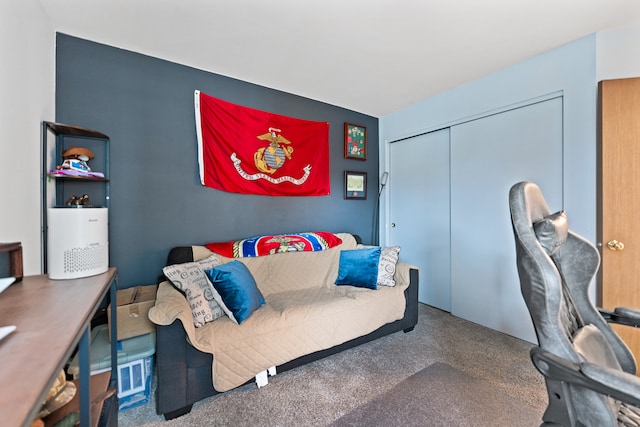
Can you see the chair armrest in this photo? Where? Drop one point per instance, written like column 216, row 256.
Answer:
column 621, row 316
column 617, row 384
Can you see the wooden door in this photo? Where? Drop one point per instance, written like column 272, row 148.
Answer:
column 419, row 211
column 618, row 199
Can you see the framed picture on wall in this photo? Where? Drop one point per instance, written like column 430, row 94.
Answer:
column 355, row 142
column 355, row 185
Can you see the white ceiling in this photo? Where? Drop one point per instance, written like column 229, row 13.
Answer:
column 372, row 56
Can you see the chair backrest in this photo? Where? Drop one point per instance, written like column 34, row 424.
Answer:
column 556, row 268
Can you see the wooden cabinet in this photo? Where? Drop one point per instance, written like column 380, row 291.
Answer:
column 52, row 319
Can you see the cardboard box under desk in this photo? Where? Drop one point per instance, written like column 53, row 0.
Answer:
column 132, row 309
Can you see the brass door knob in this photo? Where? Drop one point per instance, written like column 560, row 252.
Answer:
column 614, row 245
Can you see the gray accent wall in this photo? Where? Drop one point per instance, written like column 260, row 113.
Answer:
column 145, row 105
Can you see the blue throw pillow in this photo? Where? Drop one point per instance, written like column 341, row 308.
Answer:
column 359, row 268
column 235, row 290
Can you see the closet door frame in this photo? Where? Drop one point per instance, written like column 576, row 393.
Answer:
column 385, row 225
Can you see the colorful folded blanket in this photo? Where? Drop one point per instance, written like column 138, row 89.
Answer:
column 73, row 172
column 268, row 245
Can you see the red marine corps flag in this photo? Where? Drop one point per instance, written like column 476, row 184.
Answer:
column 242, row 150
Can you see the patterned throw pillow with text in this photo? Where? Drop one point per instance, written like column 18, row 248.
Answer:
column 191, row 279
column 387, row 265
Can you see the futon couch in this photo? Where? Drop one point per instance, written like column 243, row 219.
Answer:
column 301, row 316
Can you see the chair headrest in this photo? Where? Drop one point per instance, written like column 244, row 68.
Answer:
column 552, row 231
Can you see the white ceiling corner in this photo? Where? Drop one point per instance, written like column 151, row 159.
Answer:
column 371, row 56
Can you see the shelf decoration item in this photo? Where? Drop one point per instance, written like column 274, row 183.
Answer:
column 355, row 142
column 75, row 163
column 355, row 185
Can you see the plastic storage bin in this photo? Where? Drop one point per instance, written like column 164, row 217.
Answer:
column 135, row 365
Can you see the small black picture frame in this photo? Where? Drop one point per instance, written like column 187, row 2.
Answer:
column 355, row 142
column 355, row 185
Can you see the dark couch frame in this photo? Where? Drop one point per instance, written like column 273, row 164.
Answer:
column 184, row 373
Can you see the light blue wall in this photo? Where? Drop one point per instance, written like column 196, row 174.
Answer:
column 570, row 70
column 615, row 54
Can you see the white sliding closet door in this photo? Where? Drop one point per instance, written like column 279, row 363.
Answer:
column 488, row 156
column 419, row 211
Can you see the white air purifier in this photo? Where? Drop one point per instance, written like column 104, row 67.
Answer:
column 77, row 242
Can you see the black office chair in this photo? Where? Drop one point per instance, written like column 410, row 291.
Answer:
column 588, row 369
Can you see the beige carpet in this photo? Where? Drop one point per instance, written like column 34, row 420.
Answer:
column 322, row 392
column 443, row 396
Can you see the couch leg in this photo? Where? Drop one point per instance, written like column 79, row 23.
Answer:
column 178, row 412
column 408, row 330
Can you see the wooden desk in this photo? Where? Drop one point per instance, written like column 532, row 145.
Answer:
column 52, row 318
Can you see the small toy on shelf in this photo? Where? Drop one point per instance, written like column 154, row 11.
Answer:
column 78, row 201
column 75, row 163
column 77, row 158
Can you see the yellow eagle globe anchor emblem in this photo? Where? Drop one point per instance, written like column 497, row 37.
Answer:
column 269, row 159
